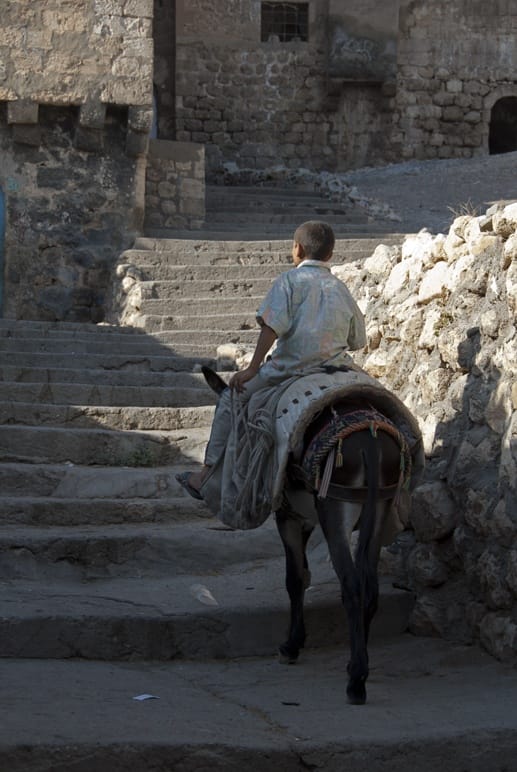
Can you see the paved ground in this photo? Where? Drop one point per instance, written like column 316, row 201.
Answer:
column 432, row 706
column 427, row 194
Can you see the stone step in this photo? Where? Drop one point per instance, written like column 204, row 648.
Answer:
column 82, row 553
column 52, row 511
column 192, row 273
column 26, row 327
column 140, row 619
column 108, row 394
column 100, row 447
column 141, row 345
column 227, row 232
column 225, row 289
column 198, row 306
column 69, row 481
column 169, row 616
column 206, row 251
column 222, row 322
column 81, row 375
column 289, row 217
column 107, row 417
column 180, row 358
column 202, row 341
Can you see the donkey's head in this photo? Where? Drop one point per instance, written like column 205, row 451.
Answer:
column 215, row 382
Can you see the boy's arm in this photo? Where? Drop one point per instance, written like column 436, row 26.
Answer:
column 266, row 339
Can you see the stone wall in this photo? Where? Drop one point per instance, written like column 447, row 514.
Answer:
column 75, row 113
column 69, row 212
column 72, row 53
column 456, row 58
column 175, row 186
column 441, row 319
column 256, row 104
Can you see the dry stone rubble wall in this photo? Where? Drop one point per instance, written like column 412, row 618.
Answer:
column 441, row 314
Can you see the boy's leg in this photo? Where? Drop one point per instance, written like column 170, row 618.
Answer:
column 221, row 427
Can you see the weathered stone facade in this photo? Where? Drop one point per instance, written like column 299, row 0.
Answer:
column 75, row 97
column 456, row 59
column 374, row 83
column 322, row 104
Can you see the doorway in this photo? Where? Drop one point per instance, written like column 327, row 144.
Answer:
column 503, row 126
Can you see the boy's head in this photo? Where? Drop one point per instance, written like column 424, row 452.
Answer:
column 313, row 240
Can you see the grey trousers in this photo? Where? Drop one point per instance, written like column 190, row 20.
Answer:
column 222, row 422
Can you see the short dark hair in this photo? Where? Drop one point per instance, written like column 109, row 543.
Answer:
column 317, row 239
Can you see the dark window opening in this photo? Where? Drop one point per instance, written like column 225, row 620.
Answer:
column 286, row 21
column 503, row 126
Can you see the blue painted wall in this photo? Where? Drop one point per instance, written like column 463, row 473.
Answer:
column 2, row 239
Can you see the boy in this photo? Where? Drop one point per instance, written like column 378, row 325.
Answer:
column 315, row 321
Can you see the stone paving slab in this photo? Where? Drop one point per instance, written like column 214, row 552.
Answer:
column 431, row 706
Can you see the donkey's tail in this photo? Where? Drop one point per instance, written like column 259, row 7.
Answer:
column 367, row 524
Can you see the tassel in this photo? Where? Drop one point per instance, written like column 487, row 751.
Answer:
column 327, row 475
column 339, row 455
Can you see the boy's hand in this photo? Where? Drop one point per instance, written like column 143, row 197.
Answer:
column 238, row 380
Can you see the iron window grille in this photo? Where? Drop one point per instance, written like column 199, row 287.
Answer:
column 286, row 21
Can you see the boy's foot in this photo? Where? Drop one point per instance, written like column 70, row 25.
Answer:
column 183, row 480
column 192, row 481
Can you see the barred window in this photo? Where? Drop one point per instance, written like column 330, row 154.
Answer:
column 286, row 21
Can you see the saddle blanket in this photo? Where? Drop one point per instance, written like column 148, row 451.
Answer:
column 246, row 484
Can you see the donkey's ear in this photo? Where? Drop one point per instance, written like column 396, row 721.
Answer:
column 215, row 382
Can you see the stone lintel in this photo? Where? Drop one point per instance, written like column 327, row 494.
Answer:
column 23, row 111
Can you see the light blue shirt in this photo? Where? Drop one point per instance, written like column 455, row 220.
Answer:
column 315, row 317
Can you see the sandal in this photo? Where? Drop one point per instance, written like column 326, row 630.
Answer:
column 183, row 480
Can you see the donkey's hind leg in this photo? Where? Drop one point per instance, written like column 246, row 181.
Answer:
column 295, row 535
column 337, row 520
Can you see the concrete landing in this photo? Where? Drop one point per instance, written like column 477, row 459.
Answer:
column 430, row 707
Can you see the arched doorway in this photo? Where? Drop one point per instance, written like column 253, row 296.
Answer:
column 503, row 126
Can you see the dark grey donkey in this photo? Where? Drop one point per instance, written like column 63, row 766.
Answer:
column 360, row 482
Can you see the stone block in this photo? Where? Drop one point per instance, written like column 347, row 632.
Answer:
column 27, row 135
column 90, row 140
column 92, row 115
column 136, row 144
column 23, row 111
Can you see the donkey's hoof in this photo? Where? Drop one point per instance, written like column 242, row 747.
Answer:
column 286, row 658
column 356, row 693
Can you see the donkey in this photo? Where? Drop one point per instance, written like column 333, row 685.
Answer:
column 359, row 489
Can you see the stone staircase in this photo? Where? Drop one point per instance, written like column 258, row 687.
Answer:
column 116, row 584
column 272, row 210
column 95, row 422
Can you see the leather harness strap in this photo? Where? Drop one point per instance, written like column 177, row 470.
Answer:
column 345, row 493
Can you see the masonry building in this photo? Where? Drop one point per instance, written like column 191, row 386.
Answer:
column 114, row 114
